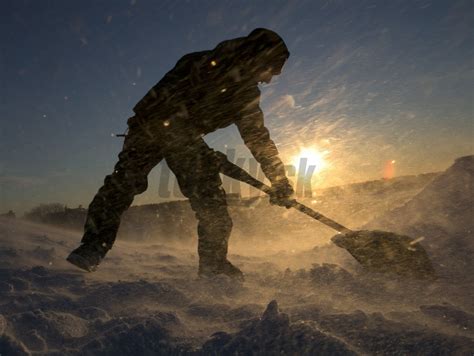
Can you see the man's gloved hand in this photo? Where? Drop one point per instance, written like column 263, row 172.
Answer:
column 282, row 194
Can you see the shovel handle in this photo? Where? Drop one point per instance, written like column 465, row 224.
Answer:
column 234, row 171
column 320, row 217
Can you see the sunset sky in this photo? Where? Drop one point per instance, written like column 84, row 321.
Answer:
column 368, row 83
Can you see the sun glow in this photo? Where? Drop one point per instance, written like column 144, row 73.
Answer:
column 313, row 157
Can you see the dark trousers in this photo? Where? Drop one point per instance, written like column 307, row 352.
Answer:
column 196, row 169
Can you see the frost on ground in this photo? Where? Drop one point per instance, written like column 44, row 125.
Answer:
column 147, row 299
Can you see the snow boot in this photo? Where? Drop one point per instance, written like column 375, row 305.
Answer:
column 87, row 256
column 209, row 270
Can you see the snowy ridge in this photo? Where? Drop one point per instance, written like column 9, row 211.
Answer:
column 442, row 214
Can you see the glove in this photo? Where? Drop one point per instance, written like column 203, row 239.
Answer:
column 282, row 194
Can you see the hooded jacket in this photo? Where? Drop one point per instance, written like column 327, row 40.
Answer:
column 213, row 89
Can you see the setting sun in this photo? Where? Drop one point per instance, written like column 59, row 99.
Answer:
column 313, row 156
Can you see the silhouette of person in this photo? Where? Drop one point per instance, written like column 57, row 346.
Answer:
column 205, row 91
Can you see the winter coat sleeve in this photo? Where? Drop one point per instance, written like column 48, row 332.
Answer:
column 257, row 138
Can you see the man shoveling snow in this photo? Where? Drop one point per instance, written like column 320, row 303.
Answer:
column 204, row 92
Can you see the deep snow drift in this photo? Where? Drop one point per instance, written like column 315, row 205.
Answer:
column 146, row 298
column 442, row 215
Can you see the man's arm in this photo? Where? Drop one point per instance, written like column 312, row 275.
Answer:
column 257, row 138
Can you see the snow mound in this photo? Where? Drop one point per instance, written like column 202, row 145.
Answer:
column 11, row 347
column 138, row 336
column 274, row 334
column 450, row 315
column 374, row 334
column 43, row 329
column 441, row 215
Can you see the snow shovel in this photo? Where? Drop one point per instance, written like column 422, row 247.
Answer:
column 376, row 251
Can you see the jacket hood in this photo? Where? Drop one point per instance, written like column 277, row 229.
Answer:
column 261, row 49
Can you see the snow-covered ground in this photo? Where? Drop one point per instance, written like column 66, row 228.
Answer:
column 147, row 299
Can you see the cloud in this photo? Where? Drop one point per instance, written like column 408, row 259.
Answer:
column 333, row 97
column 282, row 104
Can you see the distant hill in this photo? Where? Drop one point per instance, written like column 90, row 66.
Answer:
column 358, row 203
column 352, row 204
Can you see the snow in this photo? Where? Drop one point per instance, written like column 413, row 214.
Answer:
column 443, row 215
column 147, row 299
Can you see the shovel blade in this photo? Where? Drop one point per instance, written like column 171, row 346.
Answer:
column 387, row 252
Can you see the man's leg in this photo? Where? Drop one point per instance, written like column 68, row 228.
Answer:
column 197, row 173
column 129, row 178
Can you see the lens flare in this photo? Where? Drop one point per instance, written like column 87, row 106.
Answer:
column 389, row 169
column 313, row 157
